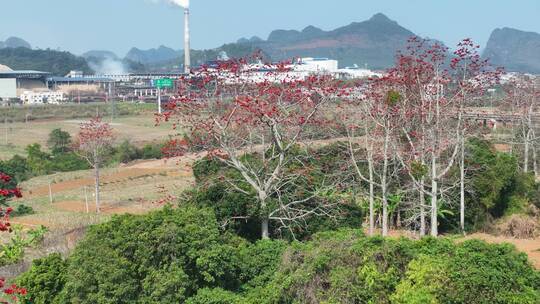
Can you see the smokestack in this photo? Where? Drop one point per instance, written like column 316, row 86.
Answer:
column 187, row 50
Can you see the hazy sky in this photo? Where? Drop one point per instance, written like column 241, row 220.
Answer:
column 118, row 25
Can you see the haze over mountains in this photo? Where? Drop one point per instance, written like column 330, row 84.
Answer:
column 372, row 43
column 14, row 42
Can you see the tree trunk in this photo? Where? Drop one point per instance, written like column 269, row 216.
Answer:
column 371, row 200
column 96, row 175
column 535, row 163
column 384, row 187
column 462, row 187
column 422, row 209
column 434, row 192
column 265, row 235
column 526, row 153
column 385, row 217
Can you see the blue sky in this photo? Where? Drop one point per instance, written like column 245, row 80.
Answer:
column 118, row 25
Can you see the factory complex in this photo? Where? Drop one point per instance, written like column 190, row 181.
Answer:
column 40, row 87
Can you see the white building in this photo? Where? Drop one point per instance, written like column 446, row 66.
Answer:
column 316, row 65
column 356, row 72
column 45, row 97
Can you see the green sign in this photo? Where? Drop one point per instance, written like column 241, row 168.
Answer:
column 163, row 83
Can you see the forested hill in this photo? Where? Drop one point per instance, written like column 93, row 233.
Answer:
column 373, row 42
column 15, row 42
column 56, row 62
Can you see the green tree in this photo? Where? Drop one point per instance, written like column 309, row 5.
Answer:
column 126, row 152
column 38, row 161
column 59, row 141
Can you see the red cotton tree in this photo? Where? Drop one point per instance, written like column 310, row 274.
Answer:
column 375, row 115
column 94, row 137
column 436, row 90
column 523, row 99
column 236, row 109
column 6, row 192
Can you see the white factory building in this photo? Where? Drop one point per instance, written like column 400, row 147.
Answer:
column 300, row 69
column 316, row 65
column 44, row 97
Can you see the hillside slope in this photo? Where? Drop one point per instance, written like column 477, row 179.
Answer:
column 58, row 63
column 515, row 50
column 373, row 42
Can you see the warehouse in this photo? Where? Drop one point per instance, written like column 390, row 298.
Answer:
column 15, row 83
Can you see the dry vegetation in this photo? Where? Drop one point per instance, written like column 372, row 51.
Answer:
column 139, row 129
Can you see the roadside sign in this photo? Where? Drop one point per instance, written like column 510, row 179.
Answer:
column 163, row 83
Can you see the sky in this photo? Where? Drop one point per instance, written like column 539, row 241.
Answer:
column 118, row 25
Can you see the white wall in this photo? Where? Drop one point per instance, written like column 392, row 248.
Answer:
column 8, row 88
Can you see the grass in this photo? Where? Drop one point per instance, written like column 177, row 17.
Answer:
column 137, row 128
column 73, row 110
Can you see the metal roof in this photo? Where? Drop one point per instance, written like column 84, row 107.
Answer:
column 79, row 79
column 22, row 72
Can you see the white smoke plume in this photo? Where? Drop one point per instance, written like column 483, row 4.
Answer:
column 109, row 66
column 182, row 3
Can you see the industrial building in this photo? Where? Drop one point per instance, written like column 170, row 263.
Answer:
column 45, row 97
column 316, row 65
column 14, row 83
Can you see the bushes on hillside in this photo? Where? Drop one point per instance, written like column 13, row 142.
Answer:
column 45, row 279
column 495, row 187
column 179, row 256
column 163, row 257
column 346, row 267
column 126, row 152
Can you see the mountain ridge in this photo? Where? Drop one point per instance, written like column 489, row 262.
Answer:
column 372, row 43
column 15, row 42
column 515, row 50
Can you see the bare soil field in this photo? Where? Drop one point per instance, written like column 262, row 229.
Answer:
column 129, row 189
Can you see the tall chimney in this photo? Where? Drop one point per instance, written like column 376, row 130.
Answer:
column 187, row 51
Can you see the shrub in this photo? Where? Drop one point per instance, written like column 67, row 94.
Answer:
column 45, row 279
column 498, row 188
column 17, row 167
column 214, row 296
column 21, row 210
column 165, row 256
column 179, row 256
column 152, row 151
column 346, row 267
column 67, row 162
column 13, row 251
column 125, row 152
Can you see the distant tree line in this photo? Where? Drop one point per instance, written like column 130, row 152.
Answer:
column 56, row 62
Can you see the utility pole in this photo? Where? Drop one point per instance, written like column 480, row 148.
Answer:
column 159, row 99
column 86, row 200
column 50, row 193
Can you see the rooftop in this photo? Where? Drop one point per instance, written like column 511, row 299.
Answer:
column 79, row 79
column 23, row 72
